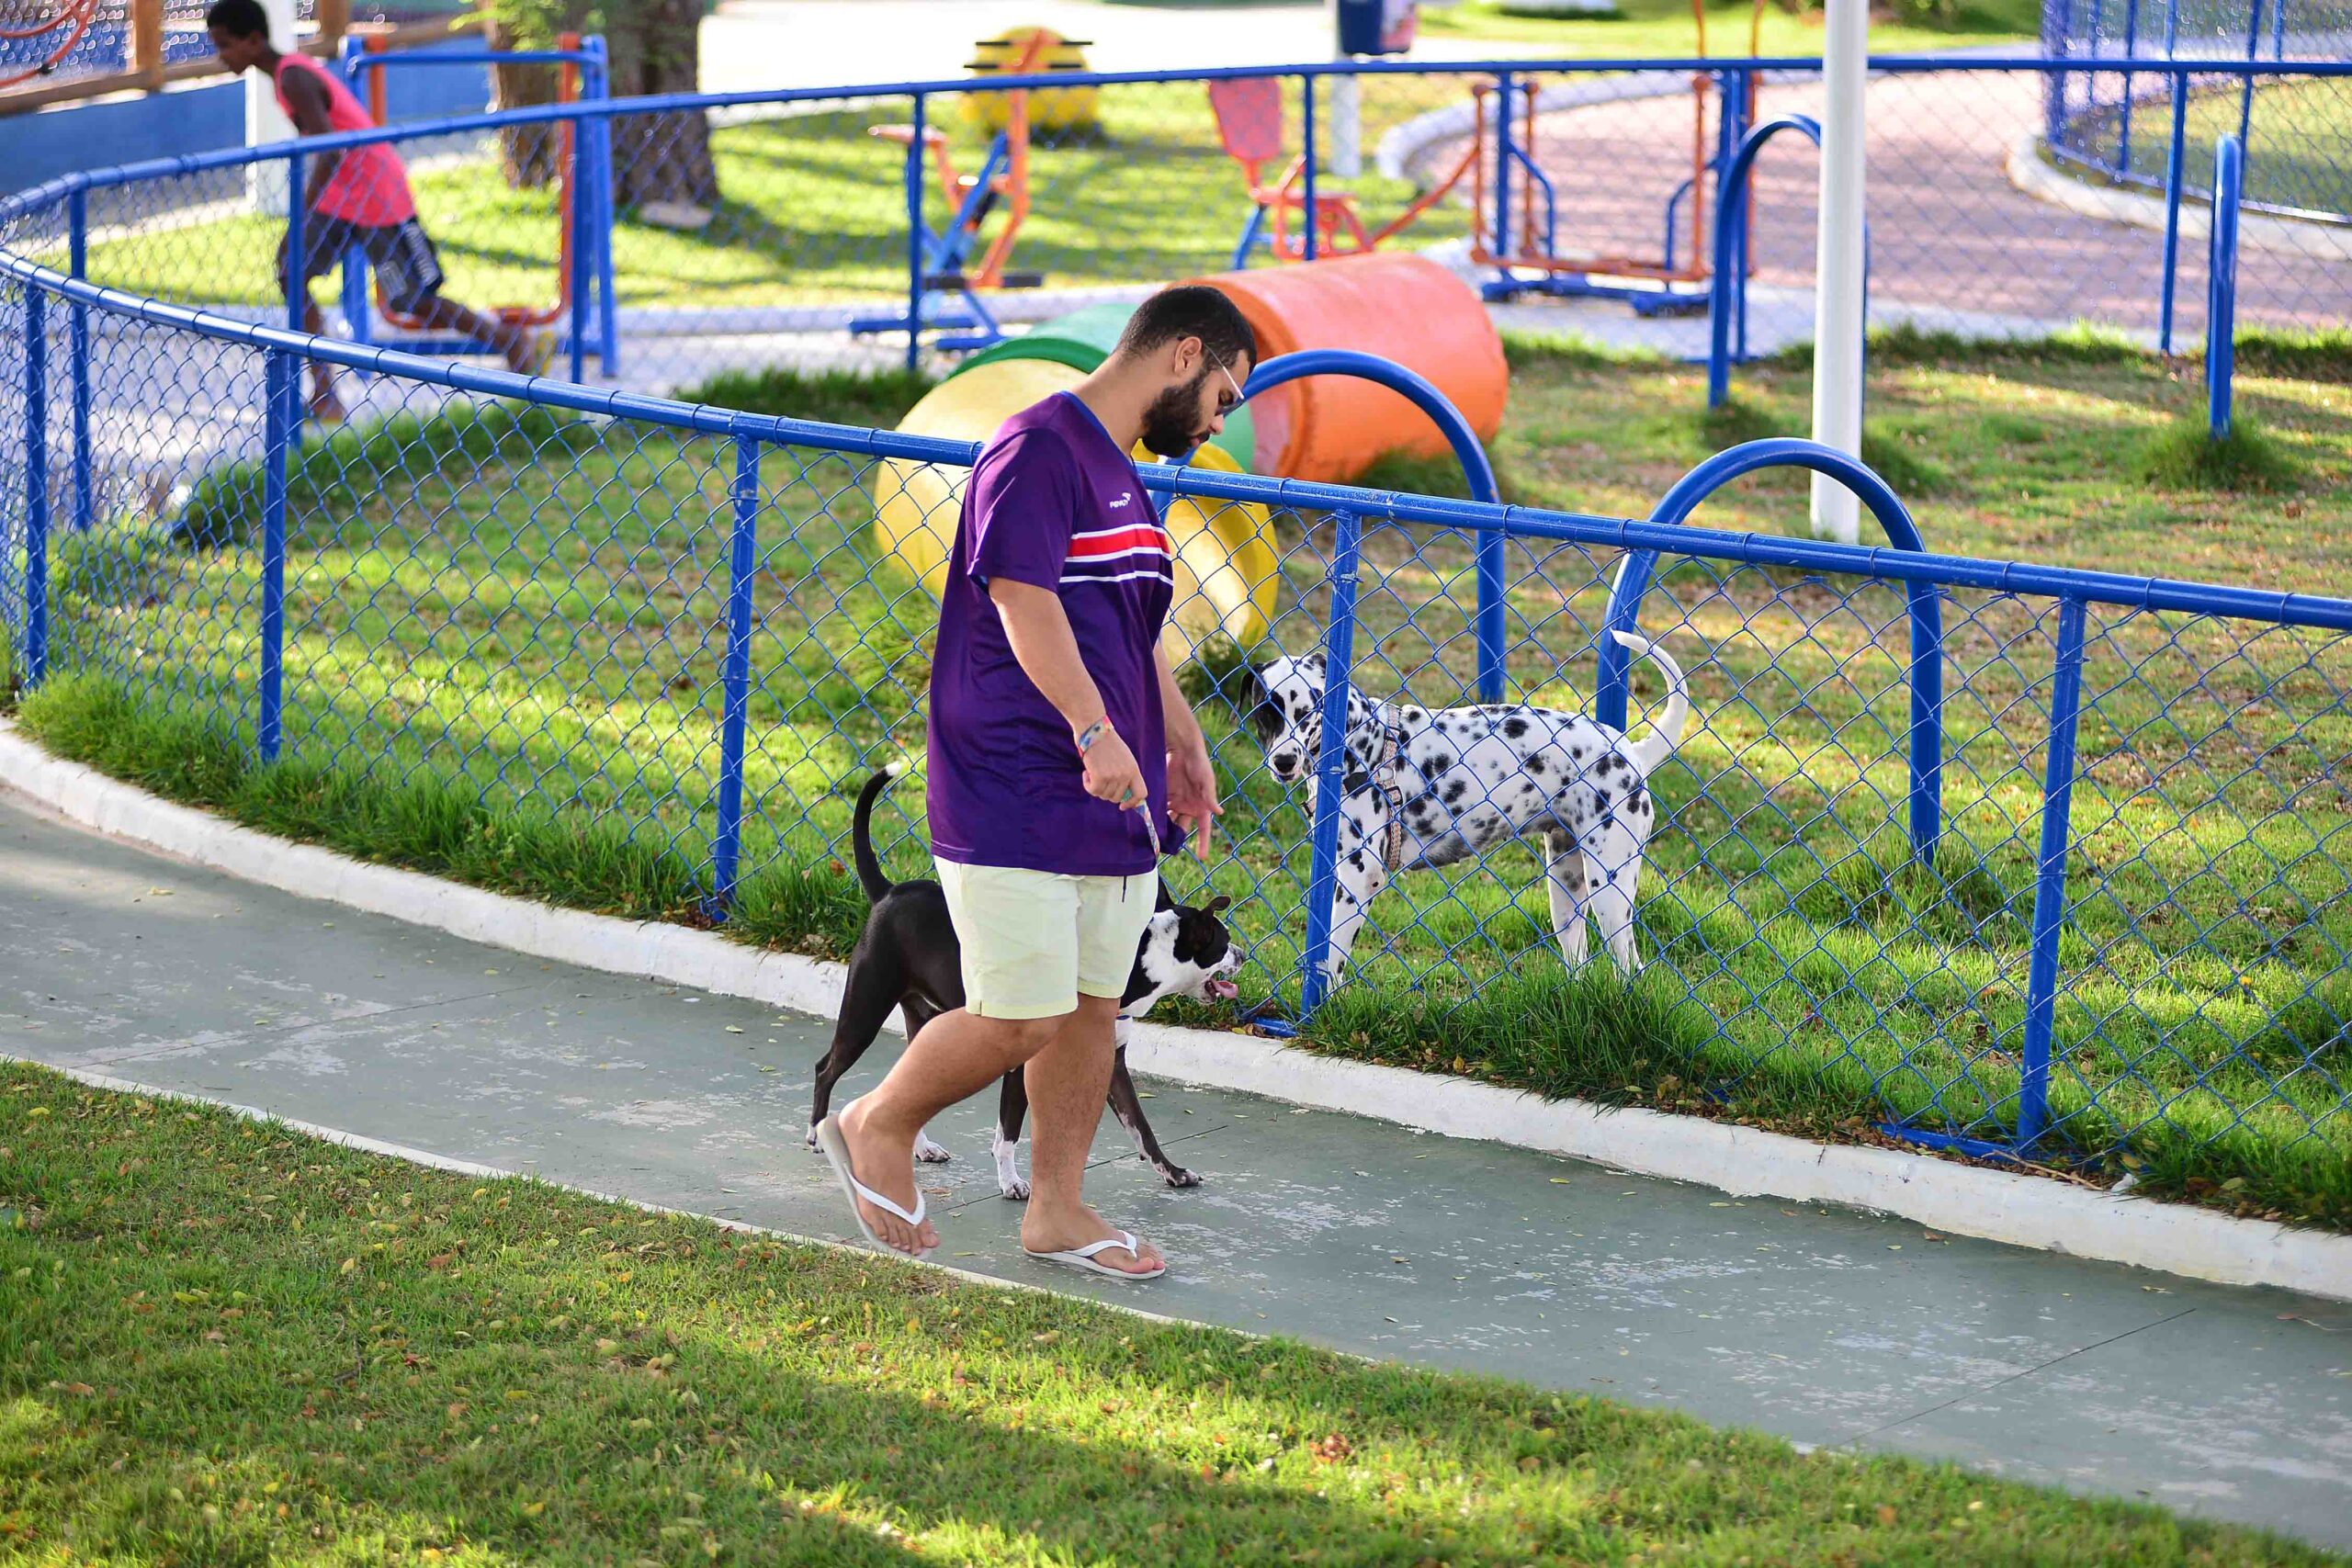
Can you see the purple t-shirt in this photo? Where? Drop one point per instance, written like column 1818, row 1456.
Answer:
column 1053, row 502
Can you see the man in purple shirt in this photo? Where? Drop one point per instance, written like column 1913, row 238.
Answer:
column 1063, row 758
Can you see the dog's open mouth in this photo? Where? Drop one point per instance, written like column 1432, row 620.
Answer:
column 1220, row 990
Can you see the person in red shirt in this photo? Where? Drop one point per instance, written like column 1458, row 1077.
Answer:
column 356, row 197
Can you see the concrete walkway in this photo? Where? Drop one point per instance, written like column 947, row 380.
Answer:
column 1832, row 1328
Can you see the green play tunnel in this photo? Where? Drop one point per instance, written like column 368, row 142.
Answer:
column 1083, row 340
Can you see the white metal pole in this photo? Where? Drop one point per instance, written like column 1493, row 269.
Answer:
column 265, row 121
column 1838, row 265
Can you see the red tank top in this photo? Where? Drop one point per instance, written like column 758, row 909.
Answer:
column 368, row 187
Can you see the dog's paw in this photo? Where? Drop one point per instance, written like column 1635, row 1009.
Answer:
column 811, row 1139
column 1177, row 1176
column 1014, row 1187
column 929, row 1152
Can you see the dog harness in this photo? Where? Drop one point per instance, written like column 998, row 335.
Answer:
column 1384, row 778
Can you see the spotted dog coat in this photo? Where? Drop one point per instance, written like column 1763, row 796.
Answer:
column 1428, row 788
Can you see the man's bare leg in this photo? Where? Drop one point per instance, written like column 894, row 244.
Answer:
column 1069, row 1082
column 952, row 1058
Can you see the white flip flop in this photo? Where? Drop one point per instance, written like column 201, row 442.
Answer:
column 836, row 1148
column 1083, row 1257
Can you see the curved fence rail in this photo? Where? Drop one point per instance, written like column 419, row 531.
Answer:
column 669, row 637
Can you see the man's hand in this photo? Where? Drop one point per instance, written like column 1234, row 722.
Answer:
column 1112, row 774
column 1192, row 792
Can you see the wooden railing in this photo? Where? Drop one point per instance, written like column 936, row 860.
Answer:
column 148, row 72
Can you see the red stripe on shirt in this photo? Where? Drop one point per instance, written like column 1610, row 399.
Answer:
column 1118, row 541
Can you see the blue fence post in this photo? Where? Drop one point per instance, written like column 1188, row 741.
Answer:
column 2175, row 165
column 77, row 217
column 358, row 312
column 1323, row 873
column 36, row 486
column 1307, row 161
column 2050, row 882
column 914, row 235
column 2123, row 114
column 742, row 568
column 2222, row 284
column 596, row 84
column 298, row 285
column 281, row 381
column 1502, row 171
column 2253, row 53
column 580, row 192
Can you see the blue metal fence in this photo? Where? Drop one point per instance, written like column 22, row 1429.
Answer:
column 2025, row 859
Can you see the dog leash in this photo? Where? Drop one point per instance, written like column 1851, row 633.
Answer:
column 1392, row 848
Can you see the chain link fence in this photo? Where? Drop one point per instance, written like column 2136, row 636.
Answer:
column 672, row 635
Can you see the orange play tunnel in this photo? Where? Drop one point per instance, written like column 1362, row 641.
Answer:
column 1402, row 306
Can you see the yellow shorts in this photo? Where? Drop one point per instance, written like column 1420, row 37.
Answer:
column 1033, row 941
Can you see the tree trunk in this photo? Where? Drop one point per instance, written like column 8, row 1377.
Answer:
column 658, row 157
column 530, row 152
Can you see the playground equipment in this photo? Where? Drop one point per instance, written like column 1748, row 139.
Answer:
column 1403, row 308
column 51, row 30
column 1250, row 124
column 1530, row 240
column 1019, row 51
column 1735, row 220
column 583, row 196
column 942, row 261
column 1083, row 340
column 1224, row 565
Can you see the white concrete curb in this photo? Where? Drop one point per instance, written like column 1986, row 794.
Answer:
column 2034, row 175
column 2024, row 1210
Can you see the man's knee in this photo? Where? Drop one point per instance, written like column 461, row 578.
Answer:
column 1024, row 1037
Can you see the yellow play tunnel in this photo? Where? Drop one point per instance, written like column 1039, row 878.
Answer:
column 1226, row 567
column 1226, row 570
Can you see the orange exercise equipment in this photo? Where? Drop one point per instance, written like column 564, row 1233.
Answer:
column 1401, row 306
column 567, row 91
column 71, row 19
column 1250, row 124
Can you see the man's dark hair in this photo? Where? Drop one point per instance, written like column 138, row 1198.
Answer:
column 1192, row 309
column 238, row 19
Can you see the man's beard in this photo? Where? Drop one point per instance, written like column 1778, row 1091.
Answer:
column 1168, row 428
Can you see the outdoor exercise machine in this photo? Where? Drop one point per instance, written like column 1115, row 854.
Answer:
column 1526, row 248
column 583, row 198
column 1249, row 123
column 952, row 277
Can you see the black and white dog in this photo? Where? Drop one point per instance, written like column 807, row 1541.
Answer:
column 907, row 958
column 1424, row 788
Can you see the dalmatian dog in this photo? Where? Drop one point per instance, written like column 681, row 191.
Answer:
column 1428, row 788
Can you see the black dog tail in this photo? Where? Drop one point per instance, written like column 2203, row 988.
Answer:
column 869, row 869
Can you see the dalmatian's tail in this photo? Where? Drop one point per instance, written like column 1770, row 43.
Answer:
column 1667, row 730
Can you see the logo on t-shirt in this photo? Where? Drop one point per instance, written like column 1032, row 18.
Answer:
column 1122, row 500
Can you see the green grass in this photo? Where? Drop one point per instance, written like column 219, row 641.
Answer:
column 2299, row 142
column 2184, row 456
column 1663, row 28
column 502, row 628
column 221, row 1343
